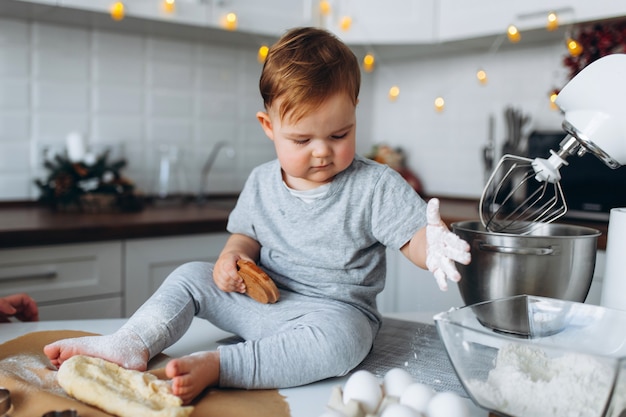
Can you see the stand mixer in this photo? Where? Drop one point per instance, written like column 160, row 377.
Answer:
column 522, row 193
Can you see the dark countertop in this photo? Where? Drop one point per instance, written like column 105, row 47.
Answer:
column 30, row 225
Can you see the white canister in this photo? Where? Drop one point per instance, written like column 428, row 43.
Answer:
column 614, row 282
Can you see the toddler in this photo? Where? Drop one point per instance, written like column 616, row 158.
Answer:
column 317, row 219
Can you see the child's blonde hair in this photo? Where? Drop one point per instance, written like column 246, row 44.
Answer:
column 305, row 67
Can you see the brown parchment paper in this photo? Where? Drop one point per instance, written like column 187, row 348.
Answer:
column 27, row 373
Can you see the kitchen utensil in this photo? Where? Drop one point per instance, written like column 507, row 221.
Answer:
column 572, row 361
column 5, row 402
column 593, row 105
column 554, row 260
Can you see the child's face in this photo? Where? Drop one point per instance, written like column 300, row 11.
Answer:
column 317, row 147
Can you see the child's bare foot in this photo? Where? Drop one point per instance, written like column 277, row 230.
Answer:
column 123, row 348
column 193, row 373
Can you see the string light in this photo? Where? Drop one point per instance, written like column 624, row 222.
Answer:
column 368, row 62
column 169, row 6
column 481, row 75
column 553, row 22
column 117, row 11
column 262, row 55
column 439, row 104
column 574, row 48
column 345, row 23
column 553, row 95
column 325, row 8
column 229, row 22
column 394, row 92
column 513, row 34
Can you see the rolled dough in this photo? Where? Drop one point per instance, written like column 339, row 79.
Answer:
column 119, row 391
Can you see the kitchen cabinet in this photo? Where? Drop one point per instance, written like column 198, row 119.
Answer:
column 67, row 281
column 99, row 280
column 393, row 22
column 389, row 22
column 149, row 261
column 270, row 17
column 186, row 13
column 459, row 20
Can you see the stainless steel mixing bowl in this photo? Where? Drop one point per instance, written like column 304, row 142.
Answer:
column 554, row 260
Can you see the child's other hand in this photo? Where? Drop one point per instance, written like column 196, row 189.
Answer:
column 443, row 248
column 20, row 306
column 225, row 274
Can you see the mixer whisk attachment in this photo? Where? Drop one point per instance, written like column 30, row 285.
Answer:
column 523, row 193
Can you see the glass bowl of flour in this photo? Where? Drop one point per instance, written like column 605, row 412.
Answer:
column 570, row 363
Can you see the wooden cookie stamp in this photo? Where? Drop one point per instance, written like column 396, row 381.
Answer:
column 259, row 285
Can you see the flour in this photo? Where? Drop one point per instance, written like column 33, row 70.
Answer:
column 527, row 382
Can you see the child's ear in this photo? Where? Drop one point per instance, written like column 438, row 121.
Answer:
column 266, row 123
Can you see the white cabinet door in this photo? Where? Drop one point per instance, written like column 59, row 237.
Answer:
column 184, row 12
column 267, row 17
column 106, row 308
column 460, row 20
column 61, row 274
column 410, row 288
column 384, row 22
column 150, row 261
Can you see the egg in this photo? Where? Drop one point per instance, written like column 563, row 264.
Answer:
column 399, row 410
column 363, row 387
column 417, row 396
column 447, row 404
column 395, row 382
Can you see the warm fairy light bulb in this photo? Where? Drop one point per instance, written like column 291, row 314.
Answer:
column 574, row 48
column 394, row 92
column 439, row 104
column 325, row 8
column 262, row 55
column 513, row 34
column 553, row 95
column 481, row 75
column 229, row 22
column 169, row 6
column 117, row 10
column 345, row 23
column 368, row 62
column 553, row 21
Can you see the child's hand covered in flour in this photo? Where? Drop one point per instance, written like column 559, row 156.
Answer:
column 443, row 248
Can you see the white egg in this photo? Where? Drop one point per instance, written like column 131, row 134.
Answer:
column 363, row 387
column 399, row 410
column 447, row 404
column 417, row 396
column 395, row 382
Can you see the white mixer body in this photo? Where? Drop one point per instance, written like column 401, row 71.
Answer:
column 594, row 106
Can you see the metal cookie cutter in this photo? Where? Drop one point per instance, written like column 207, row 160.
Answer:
column 5, row 402
column 64, row 413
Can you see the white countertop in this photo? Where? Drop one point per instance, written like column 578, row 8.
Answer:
column 306, row 401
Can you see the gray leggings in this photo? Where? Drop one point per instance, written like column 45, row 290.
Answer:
column 296, row 341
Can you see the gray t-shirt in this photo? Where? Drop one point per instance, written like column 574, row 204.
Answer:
column 334, row 247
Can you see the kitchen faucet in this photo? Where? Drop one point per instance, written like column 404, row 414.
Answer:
column 230, row 152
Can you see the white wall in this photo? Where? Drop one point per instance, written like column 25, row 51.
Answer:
column 140, row 91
